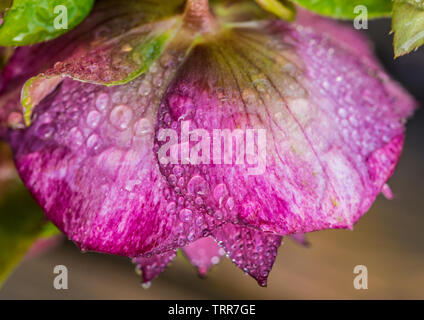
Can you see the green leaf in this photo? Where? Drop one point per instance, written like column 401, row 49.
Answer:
column 345, row 9
column 281, row 8
column 32, row 21
column 21, row 220
column 49, row 230
column 408, row 25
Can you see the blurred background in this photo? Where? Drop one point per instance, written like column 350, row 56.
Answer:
column 389, row 240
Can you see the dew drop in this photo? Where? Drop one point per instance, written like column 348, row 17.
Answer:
column 185, row 215
column 197, row 186
column 171, row 207
column 93, row 119
column 342, row 113
column 142, row 127
column 121, row 117
column 215, row 260
column 102, row 101
column 172, row 180
column 181, row 182
column 14, row 119
column 191, row 236
column 230, row 204
column 218, row 215
column 45, row 131
column 146, row 285
column 93, row 142
column 145, row 88
column 178, row 171
column 75, row 137
column 199, row 201
column 220, row 192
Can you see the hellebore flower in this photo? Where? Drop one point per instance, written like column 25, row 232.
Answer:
column 101, row 97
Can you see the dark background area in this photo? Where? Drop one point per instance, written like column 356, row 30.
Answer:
column 388, row 240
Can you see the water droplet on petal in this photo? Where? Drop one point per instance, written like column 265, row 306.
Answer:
column 45, row 131
column 145, row 88
column 220, row 192
column 230, row 204
column 102, row 101
column 93, row 142
column 146, row 285
column 75, row 137
column 93, row 119
column 121, row 117
column 342, row 113
column 199, row 201
column 171, row 207
column 142, row 127
column 197, row 186
column 185, row 215
column 215, row 260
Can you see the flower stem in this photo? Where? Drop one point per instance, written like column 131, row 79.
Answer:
column 198, row 15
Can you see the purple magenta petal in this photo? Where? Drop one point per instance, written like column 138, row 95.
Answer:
column 151, row 267
column 334, row 133
column 203, row 254
column 88, row 160
column 333, row 126
column 252, row 251
column 301, row 239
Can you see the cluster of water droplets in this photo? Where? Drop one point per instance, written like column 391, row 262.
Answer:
column 361, row 106
column 252, row 251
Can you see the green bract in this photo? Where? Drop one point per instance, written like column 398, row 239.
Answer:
column 345, row 9
column 31, row 21
column 408, row 25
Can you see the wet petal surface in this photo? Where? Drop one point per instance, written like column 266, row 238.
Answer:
column 252, row 251
column 331, row 140
column 203, row 254
column 152, row 267
column 92, row 157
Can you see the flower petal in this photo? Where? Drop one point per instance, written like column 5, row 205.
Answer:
column 333, row 123
column 252, row 251
column 203, row 254
column 88, row 159
column 26, row 62
column 301, row 239
column 151, row 267
column 118, row 42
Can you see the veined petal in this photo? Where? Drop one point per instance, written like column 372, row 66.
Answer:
column 88, row 159
column 333, row 125
column 251, row 250
column 203, row 254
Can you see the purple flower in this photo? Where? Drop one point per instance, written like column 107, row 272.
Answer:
column 102, row 96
